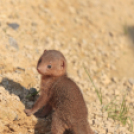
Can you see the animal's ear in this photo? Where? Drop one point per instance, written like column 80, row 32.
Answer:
column 63, row 64
column 45, row 50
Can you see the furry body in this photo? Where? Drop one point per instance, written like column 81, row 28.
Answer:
column 60, row 94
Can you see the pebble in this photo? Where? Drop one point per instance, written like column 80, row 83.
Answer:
column 33, row 91
column 13, row 43
column 105, row 79
column 14, row 26
column 114, row 79
column 30, row 104
column 131, row 81
column 16, row 118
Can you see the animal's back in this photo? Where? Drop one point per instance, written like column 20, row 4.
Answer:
column 68, row 101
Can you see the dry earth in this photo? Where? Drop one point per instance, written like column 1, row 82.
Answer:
column 98, row 34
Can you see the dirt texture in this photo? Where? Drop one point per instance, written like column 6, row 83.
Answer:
column 98, row 34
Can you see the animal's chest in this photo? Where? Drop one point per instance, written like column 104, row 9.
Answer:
column 52, row 89
column 46, row 85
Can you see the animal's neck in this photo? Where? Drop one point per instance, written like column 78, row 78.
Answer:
column 47, row 81
column 47, row 77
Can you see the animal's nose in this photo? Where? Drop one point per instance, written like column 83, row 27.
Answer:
column 38, row 69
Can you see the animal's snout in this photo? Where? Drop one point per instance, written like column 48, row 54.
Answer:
column 38, row 69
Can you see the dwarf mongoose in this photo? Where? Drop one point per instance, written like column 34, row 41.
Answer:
column 60, row 94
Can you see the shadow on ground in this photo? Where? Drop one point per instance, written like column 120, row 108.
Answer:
column 17, row 89
column 130, row 32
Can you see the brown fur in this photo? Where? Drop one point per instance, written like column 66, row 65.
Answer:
column 60, row 93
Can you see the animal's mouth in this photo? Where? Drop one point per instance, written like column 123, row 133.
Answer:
column 39, row 71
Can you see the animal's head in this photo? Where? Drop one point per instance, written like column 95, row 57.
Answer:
column 52, row 63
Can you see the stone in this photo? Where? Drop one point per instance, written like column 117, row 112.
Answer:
column 30, row 104
column 14, row 26
column 105, row 79
column 33, row 91
column 114, row 79
column 131, row 81
column 13, row 43
column 72, row 10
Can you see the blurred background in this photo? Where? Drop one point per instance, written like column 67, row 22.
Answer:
column 98, row 34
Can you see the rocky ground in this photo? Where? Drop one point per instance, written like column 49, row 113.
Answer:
column 98, row 34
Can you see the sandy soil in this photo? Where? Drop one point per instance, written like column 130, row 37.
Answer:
column 98, row 34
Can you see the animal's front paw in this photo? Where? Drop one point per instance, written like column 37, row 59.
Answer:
column 28, row 112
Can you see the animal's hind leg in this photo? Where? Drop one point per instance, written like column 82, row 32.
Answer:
column 82, row 128
column 58, row 126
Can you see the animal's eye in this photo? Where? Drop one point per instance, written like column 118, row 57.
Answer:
column 49, row 66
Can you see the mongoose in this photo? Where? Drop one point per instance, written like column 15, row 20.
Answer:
column 60, row 94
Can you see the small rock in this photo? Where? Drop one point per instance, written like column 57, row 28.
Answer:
column 30, row 130
column 30, row 104
column 21, row 68
column 13, row 43
column 128, row 84
column 34, row 24
column 111, row 34
column 96, row 132
column 72, row 10
column 131, row 81
column 117, row 92
column 15, row 97
column 16, row 118
column 30, row 47
column 33, row 91
column 32, row 95
column 29, row 56
column 93, row 122
column 14, row 26
column 2, row 90
column 106, row 130
column 34, row 70
column 105, row 80
column 114, row 79
column 110, row 130
column 112, row 67
column 128, row 89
